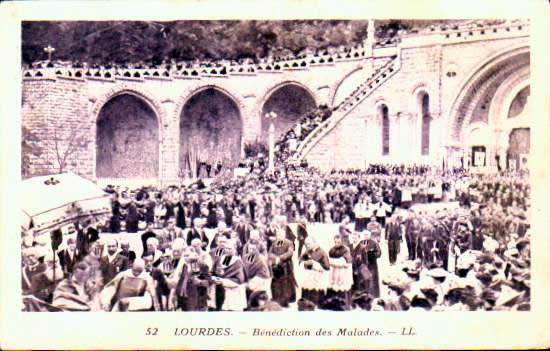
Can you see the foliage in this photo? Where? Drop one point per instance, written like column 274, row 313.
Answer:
column 104, row 42
column 30, row 146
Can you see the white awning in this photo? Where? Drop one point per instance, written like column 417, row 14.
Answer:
column 50, row 201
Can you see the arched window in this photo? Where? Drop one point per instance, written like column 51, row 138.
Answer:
column 425, row 137
column 385, row 130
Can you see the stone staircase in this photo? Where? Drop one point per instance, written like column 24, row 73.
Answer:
column 362, row 92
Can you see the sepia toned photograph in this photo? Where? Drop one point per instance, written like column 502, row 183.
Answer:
column 276, row 165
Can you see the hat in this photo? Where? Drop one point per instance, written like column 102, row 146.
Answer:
column 37, row 251
column 412, row 267
column 507, row 296
column 305, row 305
column 438, row 273
column 363, row 300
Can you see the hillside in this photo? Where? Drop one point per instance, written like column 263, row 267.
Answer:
column 151, row 42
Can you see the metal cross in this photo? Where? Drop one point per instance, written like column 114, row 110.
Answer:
column 49, row 50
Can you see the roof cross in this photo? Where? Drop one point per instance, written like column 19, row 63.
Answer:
column 49, row 50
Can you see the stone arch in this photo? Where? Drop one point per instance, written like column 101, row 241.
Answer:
column 211, row 126
column 131, row 89
column 290, row 119
column 266, row 93
column 237, row 99
column 128, row 134
column 474, row 82
column 335, row 87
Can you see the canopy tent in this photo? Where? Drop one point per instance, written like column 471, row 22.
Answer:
column 49, row 202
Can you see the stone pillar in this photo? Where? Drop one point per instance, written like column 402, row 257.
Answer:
column 169, row 133
column 271, row 166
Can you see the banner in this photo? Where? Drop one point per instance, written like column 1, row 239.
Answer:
column 479, row 158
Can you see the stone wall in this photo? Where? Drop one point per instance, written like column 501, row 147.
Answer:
column 58, row 105
column 424, row 69
column 57, row 113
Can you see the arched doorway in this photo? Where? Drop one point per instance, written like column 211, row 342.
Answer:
column 519, row 144
column 127, row 139
column 290, row 102
column 486, row 98
column 210, row 133
column 477, row 95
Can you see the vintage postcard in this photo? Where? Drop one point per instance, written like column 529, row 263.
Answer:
column 205, row 174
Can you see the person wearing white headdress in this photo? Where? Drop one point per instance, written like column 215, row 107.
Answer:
column 152, row 250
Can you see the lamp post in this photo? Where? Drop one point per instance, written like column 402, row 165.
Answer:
column 271, row 116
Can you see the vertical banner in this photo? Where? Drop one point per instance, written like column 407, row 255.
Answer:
column 479, row 158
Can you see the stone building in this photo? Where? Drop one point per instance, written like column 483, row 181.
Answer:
column 444, row 95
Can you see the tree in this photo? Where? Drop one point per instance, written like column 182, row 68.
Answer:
column 76, row 140
column 30, row 146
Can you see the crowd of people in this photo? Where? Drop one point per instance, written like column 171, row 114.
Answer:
column 259, row 242
column 289, row 141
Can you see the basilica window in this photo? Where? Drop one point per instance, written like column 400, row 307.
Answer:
column 425, row 136
column 385, row 130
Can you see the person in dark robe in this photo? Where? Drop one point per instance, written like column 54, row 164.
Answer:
column 69, row 256
column 150, row 205
column 412, row 233
column 243, row 229
column 228, row 214
column 360, row 259
column 113, row 262
column 373, row 253
column 197, row 232
column 341, row 273
column 134, row 290
column 229, row 277
column 256, row 271
column 114, row 223
column 394, row 236
column 86, row 235
column 301, row 231
column 170, row 212
column 283, row 283
column 132, row 217
column 212, row 217
column 314, row 273
column 198, row 281
column 125, row 251
column 195, row 209
column 181, row 213
column 162, row 289
column 252, row 208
